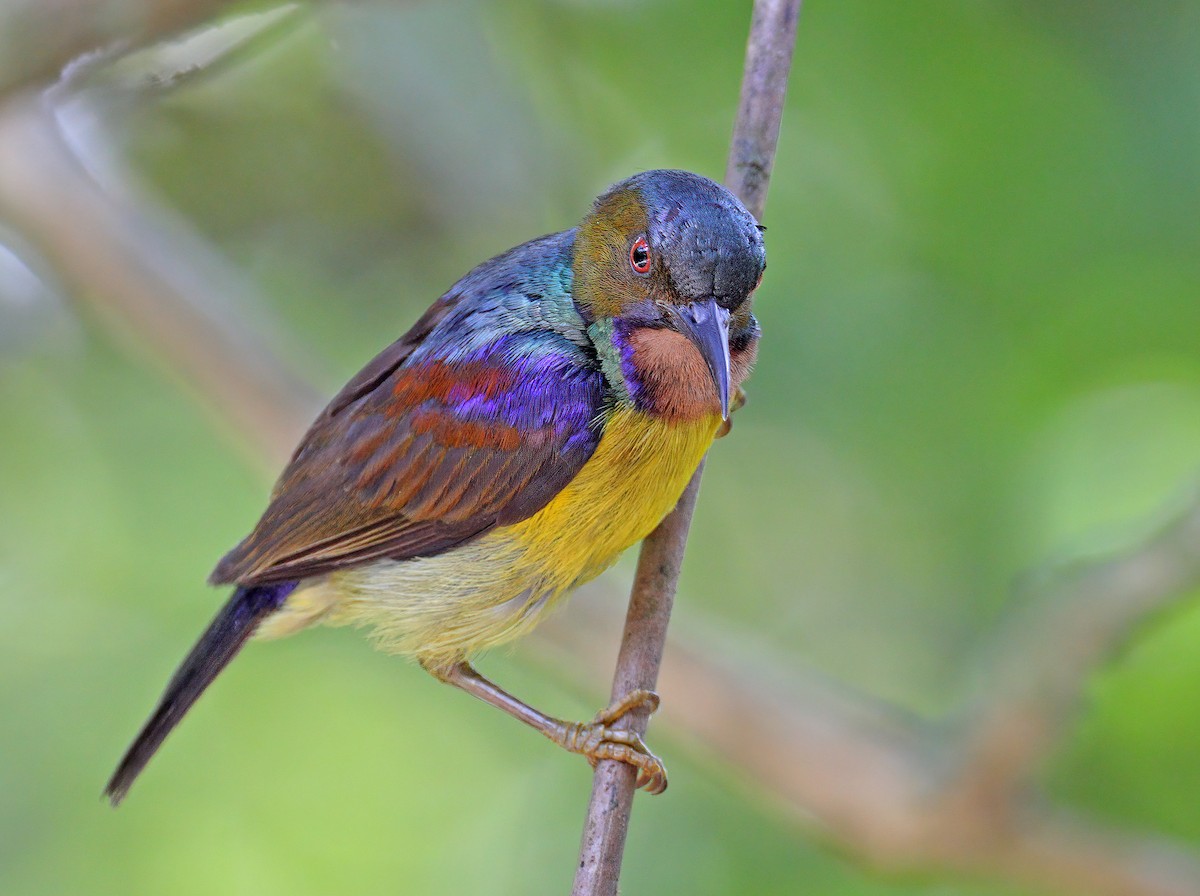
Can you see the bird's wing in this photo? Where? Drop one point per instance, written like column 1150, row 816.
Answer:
column 427, row 448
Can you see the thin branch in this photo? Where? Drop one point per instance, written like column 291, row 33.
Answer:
column 899, row 791
column 760, row 109
column 752, row 154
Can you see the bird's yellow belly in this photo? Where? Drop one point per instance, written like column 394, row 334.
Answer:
column 491, row 590
column 632, row 481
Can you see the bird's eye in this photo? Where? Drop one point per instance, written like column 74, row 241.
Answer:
column 639, row 256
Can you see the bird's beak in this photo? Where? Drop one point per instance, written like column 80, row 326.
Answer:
column 707, row 324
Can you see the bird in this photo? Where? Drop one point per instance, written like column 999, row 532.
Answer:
column 541, row 417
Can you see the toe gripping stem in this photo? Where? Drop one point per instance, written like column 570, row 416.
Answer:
column 598, row 740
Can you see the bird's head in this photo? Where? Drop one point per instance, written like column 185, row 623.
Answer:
column 668, row 254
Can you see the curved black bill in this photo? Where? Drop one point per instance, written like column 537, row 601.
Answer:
column 707, row 324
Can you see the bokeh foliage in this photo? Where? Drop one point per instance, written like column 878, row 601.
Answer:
column 982, row 356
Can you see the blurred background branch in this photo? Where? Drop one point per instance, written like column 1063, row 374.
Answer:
column 130, row 260
column 959, row 792
column 39, row 38
column 112, row 246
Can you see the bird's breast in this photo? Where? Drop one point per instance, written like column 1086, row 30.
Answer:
column 633, row 479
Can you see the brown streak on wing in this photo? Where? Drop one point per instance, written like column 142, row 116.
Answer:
column 376, row 479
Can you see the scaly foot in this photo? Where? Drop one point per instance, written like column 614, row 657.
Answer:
column 596, row 740
column 599, row 740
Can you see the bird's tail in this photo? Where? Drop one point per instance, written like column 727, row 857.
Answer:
column 218, row 645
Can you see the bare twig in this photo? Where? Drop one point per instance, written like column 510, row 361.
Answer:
column 760, row 109
column 901, row 792
column 755, row 133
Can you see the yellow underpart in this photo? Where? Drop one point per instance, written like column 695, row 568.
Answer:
column 491, row 590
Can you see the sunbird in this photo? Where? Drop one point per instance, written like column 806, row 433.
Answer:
column 541, row 417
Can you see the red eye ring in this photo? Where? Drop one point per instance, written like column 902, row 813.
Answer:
column 639, row 256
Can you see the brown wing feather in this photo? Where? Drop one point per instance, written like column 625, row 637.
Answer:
column 404, row 463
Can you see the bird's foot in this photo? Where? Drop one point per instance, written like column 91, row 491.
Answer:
column 736, row 402
column 599, row 740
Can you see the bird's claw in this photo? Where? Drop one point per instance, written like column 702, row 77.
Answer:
column 639, row 698
column 598, row 740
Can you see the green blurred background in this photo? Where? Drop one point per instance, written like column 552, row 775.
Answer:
column 982, row 355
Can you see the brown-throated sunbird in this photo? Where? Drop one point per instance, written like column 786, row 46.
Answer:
column 540, row 418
